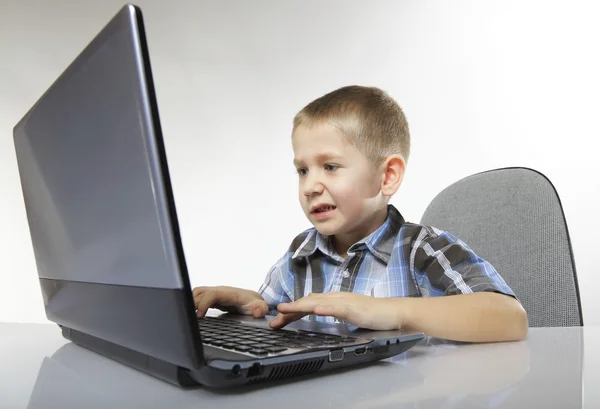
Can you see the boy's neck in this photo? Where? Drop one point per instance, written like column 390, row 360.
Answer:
column 342, row 242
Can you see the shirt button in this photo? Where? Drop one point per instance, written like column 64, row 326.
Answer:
column 345, row 274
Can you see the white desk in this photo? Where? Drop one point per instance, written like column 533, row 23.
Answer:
column 40, row 369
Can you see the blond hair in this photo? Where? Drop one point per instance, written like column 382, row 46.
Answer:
column 371, row 120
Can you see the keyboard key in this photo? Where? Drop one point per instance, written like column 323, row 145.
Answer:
column 258, row 352
column 308, row 339
column 276, row 349
column 272, row 337
column 261, row 346
column 290, row 345
column 243, row 348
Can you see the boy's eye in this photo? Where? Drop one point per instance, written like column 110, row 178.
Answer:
column 331, row 167
column 302, row 171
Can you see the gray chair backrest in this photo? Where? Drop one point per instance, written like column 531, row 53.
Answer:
column 513, row 218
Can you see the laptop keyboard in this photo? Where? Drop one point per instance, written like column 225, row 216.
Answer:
column 235, row 336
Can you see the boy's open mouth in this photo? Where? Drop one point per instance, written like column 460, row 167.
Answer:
column 322, row 209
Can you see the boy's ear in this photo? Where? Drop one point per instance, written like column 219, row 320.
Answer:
column 393, row 173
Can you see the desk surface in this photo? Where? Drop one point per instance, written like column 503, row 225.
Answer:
column 40, row 369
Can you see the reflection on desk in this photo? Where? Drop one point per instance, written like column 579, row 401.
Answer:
column 543, row 371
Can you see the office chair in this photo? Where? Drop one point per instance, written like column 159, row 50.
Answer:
column 513, row 218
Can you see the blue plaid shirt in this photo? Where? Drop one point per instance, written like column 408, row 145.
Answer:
column 399, row 259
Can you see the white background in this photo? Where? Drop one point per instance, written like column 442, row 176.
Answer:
column 484, row 84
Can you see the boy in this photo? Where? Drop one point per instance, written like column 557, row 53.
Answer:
column 362, row 263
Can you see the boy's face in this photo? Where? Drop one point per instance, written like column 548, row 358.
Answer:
column 339, row 189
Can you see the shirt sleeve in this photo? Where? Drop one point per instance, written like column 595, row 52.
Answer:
column 276, row 287
column 445, row 265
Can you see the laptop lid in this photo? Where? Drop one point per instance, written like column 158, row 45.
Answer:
column 99, row 202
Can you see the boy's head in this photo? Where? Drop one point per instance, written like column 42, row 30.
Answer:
column 350, row 149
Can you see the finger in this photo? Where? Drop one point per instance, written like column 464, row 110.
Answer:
column 281, row 320
column 260, row 309
column 322, row 306
column 203, row 302
column 201, row 290
column 215, row 298
column 305, row 305
column 256, row 308
column 202, row 309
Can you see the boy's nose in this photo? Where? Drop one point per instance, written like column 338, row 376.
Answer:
column 312, row 186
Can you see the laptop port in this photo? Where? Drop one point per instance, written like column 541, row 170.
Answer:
column 255, row 370
column 360, row 351
column 336, row 355
column 382, row 348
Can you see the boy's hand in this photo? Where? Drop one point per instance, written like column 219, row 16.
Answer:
column 360, row 310
column 229, row 299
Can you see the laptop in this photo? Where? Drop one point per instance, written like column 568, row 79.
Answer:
column 106, row 241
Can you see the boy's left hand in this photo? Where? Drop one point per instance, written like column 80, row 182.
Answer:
column 360, row 310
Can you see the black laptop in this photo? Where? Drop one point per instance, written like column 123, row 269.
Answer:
column 106, row 240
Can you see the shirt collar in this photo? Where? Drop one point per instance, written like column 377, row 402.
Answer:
column 380, row 242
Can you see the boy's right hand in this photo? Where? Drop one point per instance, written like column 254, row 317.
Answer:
column 229, row 299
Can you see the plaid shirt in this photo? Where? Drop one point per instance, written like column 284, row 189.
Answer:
column 399, row 259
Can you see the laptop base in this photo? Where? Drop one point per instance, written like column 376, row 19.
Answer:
column 218, row 373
